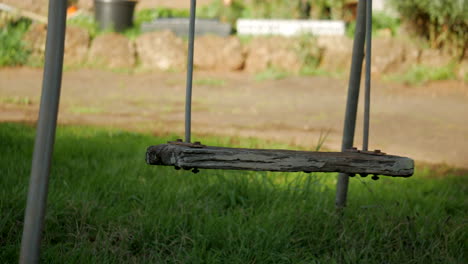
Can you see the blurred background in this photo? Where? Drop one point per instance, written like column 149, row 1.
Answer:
column 268, row 74
column 272, row 69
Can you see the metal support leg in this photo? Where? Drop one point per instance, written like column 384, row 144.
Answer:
column 45, row 135
column 353, row 98
column 188, row 93
column 365, row 131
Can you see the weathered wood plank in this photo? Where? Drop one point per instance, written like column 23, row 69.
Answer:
column 278, row 160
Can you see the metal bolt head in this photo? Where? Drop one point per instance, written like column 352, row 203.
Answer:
column 179, row 140
column 197, row 143
column 377, row 151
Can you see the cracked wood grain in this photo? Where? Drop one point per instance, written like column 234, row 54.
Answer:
column 278, row 160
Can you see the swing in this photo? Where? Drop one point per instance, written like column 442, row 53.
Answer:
column 194, row 156
column 351, row 161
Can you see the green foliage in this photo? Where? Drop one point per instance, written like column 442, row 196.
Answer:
column 287, row 9
column 105, row 205
column 148, row 15
column 327, row 9
column 279, row 9
column 420, row 74
column 273, row 9
column 442, row 22
column 13, row 51
column 132, row 33
column 86, row 22
column 309, row 54
column 271, row 73
column 217, row 9
column 308, row 50
column 380, row 20
column 319, row 9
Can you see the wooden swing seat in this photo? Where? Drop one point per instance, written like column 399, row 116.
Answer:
column 197, row 156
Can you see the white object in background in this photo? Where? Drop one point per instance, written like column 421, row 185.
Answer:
column 379, row 5
column 290, row 27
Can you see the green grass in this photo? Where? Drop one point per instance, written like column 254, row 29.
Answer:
column 271, row 74
column 420, row 74
column 209, row 82
column 317, row 71
column 17, row 100
column 107, row 206
column 86, row 110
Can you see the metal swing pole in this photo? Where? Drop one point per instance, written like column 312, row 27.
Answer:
column 353, row 98
column 188, row 93
column 45, row 135
column 365, row 137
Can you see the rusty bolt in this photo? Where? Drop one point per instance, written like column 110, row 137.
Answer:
column 179, row 140
column 197, row 143
column 377, row 151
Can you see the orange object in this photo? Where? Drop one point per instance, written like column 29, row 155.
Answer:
column 71, row 9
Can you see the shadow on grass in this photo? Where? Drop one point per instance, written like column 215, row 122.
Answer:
column 106, row 205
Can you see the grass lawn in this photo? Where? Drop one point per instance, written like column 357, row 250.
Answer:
column 106, row 205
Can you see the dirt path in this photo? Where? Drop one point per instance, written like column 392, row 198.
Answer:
column 428, row 123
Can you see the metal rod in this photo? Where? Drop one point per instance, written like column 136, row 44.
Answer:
column 353, row 98
column 365, row 137
column 188, row 93
column 45, row 135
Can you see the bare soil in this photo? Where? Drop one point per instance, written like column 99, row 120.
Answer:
column 428, row 123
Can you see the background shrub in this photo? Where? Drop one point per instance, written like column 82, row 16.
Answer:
column 380, row 20
column 444, row 23
column 280, row 9
column 13, row 51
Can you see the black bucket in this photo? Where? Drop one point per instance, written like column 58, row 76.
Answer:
column 114, row 15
